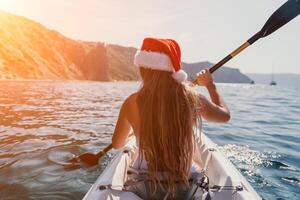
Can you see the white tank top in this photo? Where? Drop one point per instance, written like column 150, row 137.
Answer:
column 141, row 164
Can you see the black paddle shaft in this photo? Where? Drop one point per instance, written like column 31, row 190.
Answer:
column 279, row 18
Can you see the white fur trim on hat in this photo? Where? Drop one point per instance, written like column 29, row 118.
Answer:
column 180, row 75
column 153, row 60
column 158, row 61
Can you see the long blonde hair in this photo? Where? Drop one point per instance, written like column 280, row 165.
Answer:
column 168, row 114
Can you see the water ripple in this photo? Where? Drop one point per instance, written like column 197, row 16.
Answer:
column 44, row 123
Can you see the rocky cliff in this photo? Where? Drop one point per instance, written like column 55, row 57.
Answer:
column 28, row 50
column 120, row 61
column 222, row 75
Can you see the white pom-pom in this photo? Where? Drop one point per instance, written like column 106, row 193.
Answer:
column 180, row 75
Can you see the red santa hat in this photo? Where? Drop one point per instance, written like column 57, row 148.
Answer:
column 161, row 54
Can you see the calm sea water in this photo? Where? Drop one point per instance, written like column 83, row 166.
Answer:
column 43, row 123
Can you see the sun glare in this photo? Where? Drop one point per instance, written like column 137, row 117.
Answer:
column 3, row 1
column 4, row 4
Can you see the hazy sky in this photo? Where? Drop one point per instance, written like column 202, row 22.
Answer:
column 206, row 30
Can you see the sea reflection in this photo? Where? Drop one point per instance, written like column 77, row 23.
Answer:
column 44, row 123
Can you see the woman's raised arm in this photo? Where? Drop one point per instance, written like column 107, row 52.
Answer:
column 215, row 110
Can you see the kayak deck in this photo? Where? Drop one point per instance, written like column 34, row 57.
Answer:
column 220, row 171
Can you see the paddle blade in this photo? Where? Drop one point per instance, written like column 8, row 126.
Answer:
column 72, row 167
column 280, row 17
column 86, row 158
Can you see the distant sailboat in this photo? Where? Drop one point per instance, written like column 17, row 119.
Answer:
column 272, row 80
column 273, row 83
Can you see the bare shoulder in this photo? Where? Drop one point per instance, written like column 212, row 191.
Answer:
column 196, row 94
column 202, row 97
column 130, row 100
